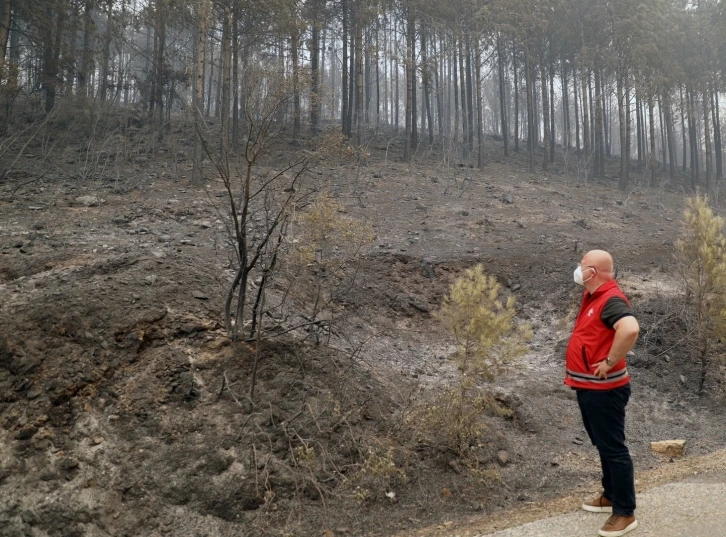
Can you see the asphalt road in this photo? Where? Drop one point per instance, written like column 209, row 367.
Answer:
column 690, row 508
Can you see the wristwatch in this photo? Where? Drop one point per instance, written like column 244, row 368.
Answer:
column 607, row 361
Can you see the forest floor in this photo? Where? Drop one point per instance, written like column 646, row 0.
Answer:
column 118, row 413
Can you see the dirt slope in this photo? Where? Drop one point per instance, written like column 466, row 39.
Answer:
column 120, row 410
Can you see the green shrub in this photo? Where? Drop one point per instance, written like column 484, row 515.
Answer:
column 701, row 263
column 487, row 340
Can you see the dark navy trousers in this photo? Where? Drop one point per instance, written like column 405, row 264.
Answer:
column 603, row 414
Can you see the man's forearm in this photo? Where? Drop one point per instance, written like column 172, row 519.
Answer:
column 624, row 341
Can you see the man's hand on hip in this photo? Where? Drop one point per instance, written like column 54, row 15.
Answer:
column 602, row 369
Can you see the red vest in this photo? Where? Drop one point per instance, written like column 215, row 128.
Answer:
column 591, row 341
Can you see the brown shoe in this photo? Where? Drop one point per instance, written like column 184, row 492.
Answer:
column 599, row 505
column 618, row 525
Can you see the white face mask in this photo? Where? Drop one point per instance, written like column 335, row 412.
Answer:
column 577, row 276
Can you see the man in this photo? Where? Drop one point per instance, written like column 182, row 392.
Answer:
column 604, row 332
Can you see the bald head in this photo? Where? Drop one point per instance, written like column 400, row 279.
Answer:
column 599, row 259
column 602, row 262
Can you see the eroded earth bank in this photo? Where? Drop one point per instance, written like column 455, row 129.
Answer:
column 121, row 396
